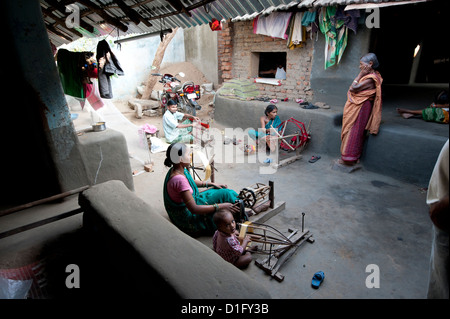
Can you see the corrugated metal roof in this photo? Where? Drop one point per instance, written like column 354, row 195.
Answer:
column 102, row 17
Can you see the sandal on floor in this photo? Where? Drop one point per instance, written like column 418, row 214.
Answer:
column 314, row 158
column 310, row 106
column 317, row 279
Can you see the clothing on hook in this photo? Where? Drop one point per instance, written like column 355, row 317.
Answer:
column 108, row 65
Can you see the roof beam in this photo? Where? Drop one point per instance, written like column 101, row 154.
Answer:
column 55, row 5
column 132, row 14
column 53, row 30
column 179, row 7
column 59, row 21
column 192, row 7
column 101, row 12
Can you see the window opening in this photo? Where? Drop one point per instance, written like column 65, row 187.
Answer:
column 270, row 63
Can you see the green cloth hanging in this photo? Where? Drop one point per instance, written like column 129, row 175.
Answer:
column 70, row 72
column 336, row 33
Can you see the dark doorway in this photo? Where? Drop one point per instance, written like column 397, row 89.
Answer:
column 411, row 43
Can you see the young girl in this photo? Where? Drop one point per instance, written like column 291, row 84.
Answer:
column 225, row 242
column 268, row 121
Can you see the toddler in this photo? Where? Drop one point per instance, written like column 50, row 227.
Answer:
column 225, row 242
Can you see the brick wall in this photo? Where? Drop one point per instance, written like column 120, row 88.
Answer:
column 236, row 45
column 225, row 52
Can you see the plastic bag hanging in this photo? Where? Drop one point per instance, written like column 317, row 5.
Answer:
column 215, row 25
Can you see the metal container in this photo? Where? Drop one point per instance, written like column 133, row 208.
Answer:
column 99, row 126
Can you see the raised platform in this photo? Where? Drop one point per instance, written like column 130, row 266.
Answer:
column 150, row 257
column 404, row 149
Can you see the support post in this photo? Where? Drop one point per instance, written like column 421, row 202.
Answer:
column 272, row 194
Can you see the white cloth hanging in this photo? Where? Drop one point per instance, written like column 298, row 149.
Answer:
column 274, row 25
column 297, row 31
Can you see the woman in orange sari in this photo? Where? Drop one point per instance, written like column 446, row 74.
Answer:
column 362, row 110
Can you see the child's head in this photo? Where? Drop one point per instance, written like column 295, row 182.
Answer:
column 172, row 106
column 224, row 221
column 271, row 111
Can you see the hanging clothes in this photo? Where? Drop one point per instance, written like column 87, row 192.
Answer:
column 297, row 33
column 76, row 69
column 350, row 17
column 308, row 18
column 108, row 65
column 70, row 72
column 336, row 33
column 310, row 22
column 274, row 25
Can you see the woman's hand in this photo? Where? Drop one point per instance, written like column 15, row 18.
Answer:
column 365, row 69
column 216, row 185
column 231, row 207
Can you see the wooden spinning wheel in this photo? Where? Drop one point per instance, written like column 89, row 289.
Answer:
column 277, row 247
column 256, row 193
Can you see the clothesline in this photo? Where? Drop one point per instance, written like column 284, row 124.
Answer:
column 332, row 21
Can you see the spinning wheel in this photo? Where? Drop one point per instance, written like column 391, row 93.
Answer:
column 248, row 196
column 254, row 194
column 276, row 246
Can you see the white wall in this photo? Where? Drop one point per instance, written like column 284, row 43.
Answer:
column 136, row 59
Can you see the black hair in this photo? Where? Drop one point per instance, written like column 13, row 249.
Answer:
column 218, row 216
column 174, row 153
column 171, row 102
column 371, row 57
column 270, row 108
column 441, row 97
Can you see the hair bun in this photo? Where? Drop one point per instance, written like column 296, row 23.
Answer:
column 168, row 162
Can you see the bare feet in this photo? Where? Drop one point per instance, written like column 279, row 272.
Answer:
column 404, row 113
column 253, row 249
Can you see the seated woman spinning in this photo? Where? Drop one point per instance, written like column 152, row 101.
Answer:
column 188, row 209
column 270, row 120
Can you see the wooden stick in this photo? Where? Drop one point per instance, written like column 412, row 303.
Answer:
column 282, row 138
column 42, row 201
column 272, row 194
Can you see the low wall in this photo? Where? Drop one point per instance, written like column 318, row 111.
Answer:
column 407, row 153
column 151, row 257
column 105, row 157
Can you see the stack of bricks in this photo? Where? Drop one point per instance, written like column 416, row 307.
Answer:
column 239, row 50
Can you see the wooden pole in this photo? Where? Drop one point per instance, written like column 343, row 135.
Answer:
column 272, row 194
column 42, row 201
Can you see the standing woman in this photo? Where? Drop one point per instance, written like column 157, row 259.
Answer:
column 362, row 110
column 190, row 210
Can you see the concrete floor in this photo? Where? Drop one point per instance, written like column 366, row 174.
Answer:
column 357, row 219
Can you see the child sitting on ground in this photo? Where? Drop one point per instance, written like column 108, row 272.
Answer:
column 174, row 131
column 225, row 242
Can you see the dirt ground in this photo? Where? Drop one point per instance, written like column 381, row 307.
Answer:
column 205, row 114
column 191, row 74
column 352, row 227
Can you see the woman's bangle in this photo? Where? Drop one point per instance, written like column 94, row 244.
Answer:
column 216, row 207
column 355, row 81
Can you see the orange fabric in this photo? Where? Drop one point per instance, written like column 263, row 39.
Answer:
column 353, row 106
